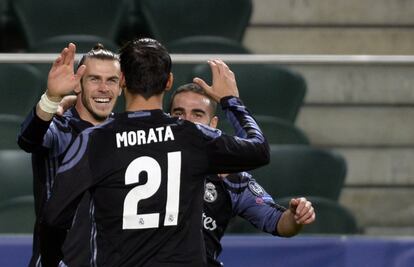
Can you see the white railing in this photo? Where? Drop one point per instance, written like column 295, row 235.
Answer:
column 237, row 58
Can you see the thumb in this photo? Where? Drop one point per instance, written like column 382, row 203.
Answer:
column 202, row 83
column 293, row 204
column 80, row 72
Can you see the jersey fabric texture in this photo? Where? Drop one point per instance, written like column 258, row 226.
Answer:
column 145, row 173
column 48, row 143
column 236, row 195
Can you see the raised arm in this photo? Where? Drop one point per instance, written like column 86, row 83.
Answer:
column 61, row 82
column 229, row 153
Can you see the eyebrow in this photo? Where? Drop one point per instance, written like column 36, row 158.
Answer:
column 198, row 110
column 177, row 109
column 100, row 77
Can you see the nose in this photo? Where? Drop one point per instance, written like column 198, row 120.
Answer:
column 103, row 87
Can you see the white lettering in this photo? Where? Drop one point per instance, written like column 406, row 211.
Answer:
column 132, row 138
column 141, row 137
column 151, row 136
column 121, row 138
column 168, row 134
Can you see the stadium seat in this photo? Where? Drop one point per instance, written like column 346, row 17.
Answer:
column 42, row 20
column 331, row 218
column 21, row 87
column 16, row 174
column 84, row 43
column 206, row 44
column 12, row 39
column 276, row 130
column 9, row 128
column 171, row 20
column 17, row 215
column 266, row 89
column 300, row 170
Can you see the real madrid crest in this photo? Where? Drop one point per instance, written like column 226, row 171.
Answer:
column 210, row 193
column 256, row 189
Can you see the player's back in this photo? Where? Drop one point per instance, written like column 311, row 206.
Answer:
column 145, row 172
column 148, row 189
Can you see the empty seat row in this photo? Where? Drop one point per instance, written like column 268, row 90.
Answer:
column 44, row 25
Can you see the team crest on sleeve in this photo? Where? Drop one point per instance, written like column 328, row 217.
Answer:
column 210, row 193
column 256, row 189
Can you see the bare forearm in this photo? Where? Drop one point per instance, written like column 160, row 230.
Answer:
column 287, row 225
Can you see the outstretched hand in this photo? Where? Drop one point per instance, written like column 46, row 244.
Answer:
column 62, row 79
column 303, row 210
column 224, row 81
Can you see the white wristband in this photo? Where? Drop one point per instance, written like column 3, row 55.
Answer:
column 47, row 105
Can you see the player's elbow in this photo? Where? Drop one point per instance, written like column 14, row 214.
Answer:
column 265, row 155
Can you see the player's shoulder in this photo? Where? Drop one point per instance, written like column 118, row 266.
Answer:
column 208, row 131
column 244, row 182
column 237, row 182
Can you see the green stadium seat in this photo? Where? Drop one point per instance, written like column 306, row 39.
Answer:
column 331, row 218
column 171, row 20
column 42, row 20
column 266, row 89
column 17, row 215
column 11, row 37
column 276, row 130
column 9, row 128
column 21, row 87
column 16, row 174
column 84, row 43
column 206, row 44
column 300, row 170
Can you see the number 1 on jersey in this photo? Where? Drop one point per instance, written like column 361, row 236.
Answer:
column 131, row 218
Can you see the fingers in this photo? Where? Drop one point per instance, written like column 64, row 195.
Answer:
column 214, row 68
column 56, row 63
column 304, row 212
column 69, row 57
column 201, row 83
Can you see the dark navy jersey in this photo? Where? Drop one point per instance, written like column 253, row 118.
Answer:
column 145, row 173
column 236, row 195
column 48, row 142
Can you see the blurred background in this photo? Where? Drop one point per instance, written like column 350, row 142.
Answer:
column 333, row 90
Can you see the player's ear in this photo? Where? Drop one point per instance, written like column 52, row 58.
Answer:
column 121, row 84
column 78, row 87
column 213, row 122
column 169, row 82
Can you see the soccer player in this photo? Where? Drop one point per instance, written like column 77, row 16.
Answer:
column 237, row 194
column 145, row 170
column 47, row 137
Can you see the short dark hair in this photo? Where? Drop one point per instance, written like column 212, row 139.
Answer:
column 146, row 65
column 99, row 52
column 195, row 88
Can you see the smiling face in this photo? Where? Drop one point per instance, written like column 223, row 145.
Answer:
column 193, row 107
column 99, row 89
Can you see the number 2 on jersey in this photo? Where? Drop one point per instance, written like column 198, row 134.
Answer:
column 131, row 218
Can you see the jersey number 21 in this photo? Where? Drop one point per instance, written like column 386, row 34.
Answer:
column 131, row 218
